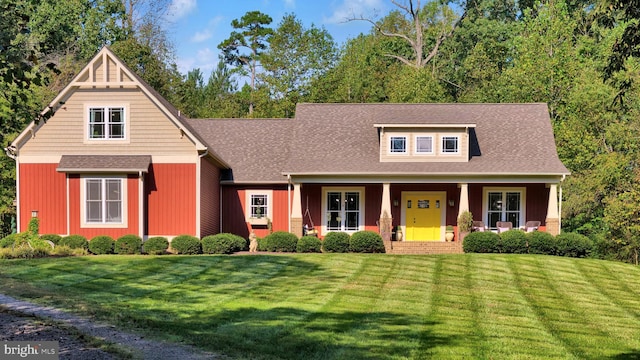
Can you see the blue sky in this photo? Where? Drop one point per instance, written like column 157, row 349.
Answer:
column 198, row 26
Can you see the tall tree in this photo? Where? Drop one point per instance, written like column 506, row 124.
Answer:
column 295, row 57
column 253, row 36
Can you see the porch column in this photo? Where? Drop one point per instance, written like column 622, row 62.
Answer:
column 296, row 212
column 553, row 219
column 463, row 204
column 386, row 220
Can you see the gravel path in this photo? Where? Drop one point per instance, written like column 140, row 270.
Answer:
column 19, row 321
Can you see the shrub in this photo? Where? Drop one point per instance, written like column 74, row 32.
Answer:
column 366, row 242
column 75, row 242
column 573, row 245
column 336, row 242
column 513, row 242
column 481, row 242
column 8, row 241
column 541, row 242
column 128, row 244
column 262, row 244
column 54, row 238
column 101, row 245
column 281, row 241
column 186, row 244
column 224, row 243
column 62, row 250
column 157, row 245
column 309, row 244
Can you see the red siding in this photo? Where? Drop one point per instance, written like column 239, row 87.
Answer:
column 233, row 205
column 171, row 199
column 537, row 197
column 76, row 216
column 44, row 189
column 209, row 199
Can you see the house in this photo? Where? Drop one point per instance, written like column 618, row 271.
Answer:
column 116, row 158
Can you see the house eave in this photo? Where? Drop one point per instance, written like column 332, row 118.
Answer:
column 470, row 177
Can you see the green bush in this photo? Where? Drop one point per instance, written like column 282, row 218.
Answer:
column 541, row 242
column 54, row 238
column 156, row 245
column 309, row 244
column 366, row 242
column 8, row 241
column 513, row 242
column 262, row 244
column 75, row 242
column 62, row 250
column 186, row 244
column 101, row 245
column 481, row 242
column 281, row 241
column 128, row 244
column 224, row 243
column 574, row 245
column 336, row 242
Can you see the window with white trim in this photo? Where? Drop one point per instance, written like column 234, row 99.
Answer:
column 103, row 199
column 505, row 205
column 259, row 205
column 343, row 209
column 398, row 144
column 450, row 144
column 106, row 123
column 424, row 145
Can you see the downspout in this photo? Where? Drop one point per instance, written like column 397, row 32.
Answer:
column 289, row 201
column 11, row 153
column 199, row 193
column 141, row 209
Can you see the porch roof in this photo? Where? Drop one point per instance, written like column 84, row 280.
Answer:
column 104, row 163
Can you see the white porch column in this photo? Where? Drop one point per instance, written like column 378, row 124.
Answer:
column 553, row 218
column 463, row 204
column 386, row 200
column 296, row 211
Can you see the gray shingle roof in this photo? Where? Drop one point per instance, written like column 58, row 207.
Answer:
column 104, row 163
column 341, row 139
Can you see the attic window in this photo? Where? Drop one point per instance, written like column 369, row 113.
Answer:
column 398, row 145
column 450, row 145
column 106, row 123
column 424, row 144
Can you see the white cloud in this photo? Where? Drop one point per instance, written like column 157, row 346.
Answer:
column 201, row 36
column 181, row 8
column 354, row 8
column 291, row 4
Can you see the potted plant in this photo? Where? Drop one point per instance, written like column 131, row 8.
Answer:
column 465, row 223
column 448, row 233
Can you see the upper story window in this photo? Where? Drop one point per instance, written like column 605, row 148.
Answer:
column 398, row 145
column 450, row 144
column 424, row 144
column 106, row 123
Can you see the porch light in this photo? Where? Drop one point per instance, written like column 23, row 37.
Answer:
column 34, row 213
column 451, row 203
column 395, row 202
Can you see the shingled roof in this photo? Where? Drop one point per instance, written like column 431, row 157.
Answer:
column 341, row 139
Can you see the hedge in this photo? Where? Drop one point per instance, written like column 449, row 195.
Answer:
column 481, row 242
column 186, row 244
column 224, row 243
column 574, row 245
column 541, row 242
column 513, row 242
column 309, row 244
column 366, row 241
column 156, row 245
column 336, row 242
column 75, row 242
column 128, row 244
column 281, row 241
column 101, row 245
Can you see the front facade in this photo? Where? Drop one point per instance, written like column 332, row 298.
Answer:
column 117, row 159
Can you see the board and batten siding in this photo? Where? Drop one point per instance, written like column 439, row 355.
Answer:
column 437, row 156
column 171, row 199
column 150, row 131
column 209, row 198
column 44, row 190
column 234, row 209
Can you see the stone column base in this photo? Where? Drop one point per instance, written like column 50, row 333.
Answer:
column 553, row 226
column 296, row 227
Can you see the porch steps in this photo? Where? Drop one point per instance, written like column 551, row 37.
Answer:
column 423, row 247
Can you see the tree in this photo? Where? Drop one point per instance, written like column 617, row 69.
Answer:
column 295, row 57
column 253, row 37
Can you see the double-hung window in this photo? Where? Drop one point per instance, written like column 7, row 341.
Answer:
column 259, row 205
column 107, row 123
column 450, row 144
column 505, row 205
column 103, row 201
column 343, row 210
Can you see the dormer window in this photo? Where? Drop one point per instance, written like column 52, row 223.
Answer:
column 450, row 145
column 424, row 144
column 398, row 145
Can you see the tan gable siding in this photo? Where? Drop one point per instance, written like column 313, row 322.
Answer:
column 437, row 156
column 150, row 130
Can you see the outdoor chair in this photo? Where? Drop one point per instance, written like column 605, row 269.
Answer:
column 504, row 226
column 478, row 226
column 531, row 226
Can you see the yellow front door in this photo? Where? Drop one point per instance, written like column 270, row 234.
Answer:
column 423, row 215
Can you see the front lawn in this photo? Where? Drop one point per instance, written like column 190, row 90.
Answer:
column 352, row 306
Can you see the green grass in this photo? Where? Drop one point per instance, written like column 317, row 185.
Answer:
column 351, row 306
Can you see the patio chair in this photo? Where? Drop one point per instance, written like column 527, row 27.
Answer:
column 531, row 226
column 504, row 226
column 478, row 226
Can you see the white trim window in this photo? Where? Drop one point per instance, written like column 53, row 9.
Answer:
column 106, row 123
column 424, row 144
column 343, row 209
column 450, row 144
column 103, row 201
column 505, row 205
column 398, row 144
column 259, row 205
